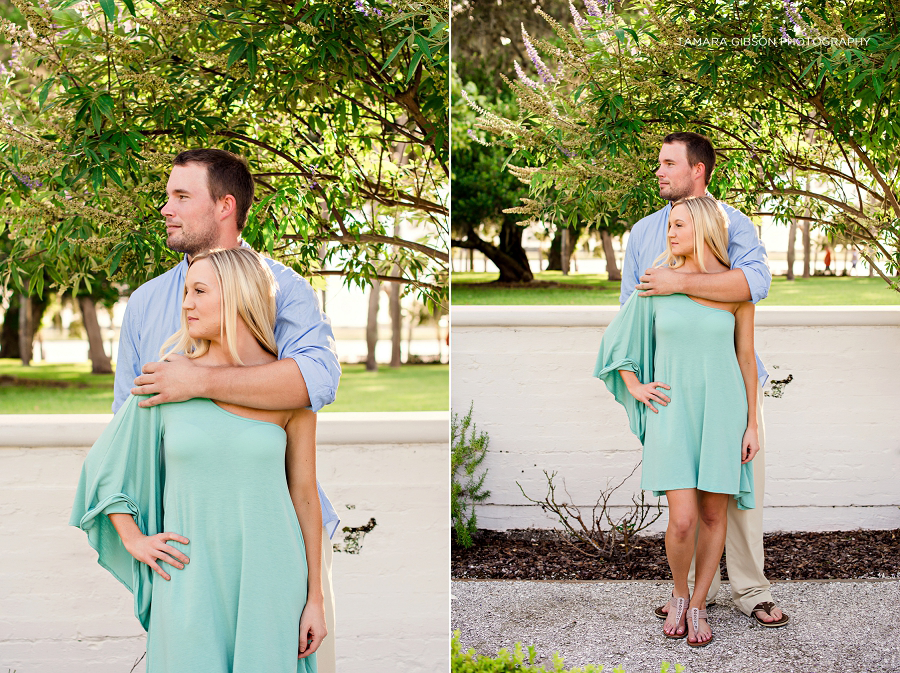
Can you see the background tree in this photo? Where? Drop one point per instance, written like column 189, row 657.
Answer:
column 485, row 44
column 481, row 190
column 319, row 96
column 796, row 99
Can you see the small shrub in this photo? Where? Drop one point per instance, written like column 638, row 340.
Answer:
column 468, row 449
column 604, row 536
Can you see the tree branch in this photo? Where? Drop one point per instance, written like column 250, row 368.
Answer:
column 433, row 253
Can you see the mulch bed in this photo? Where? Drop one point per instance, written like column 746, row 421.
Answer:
column 535, row 554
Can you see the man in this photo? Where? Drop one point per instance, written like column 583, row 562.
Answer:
column 209, row 193
column 686, row 162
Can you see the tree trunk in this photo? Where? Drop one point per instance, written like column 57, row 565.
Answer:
column 372, row 326
column 9, row 334
column 509, row 257
column 807, row 249
column 612, row 269
column 396, row 320
column 440, row 337
column 519, row 271
column 409, row 337
column 394, row 308
column 100, row 363
column 565, row 251
column 26, row 330
column 791, row 252
column 554, row 254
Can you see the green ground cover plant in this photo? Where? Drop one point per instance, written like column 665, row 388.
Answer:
column 517, row 661
column 595, row 290
column 72, row 389
column 467, row 451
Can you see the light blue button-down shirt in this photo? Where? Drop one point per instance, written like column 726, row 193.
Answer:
column 302, row 333
column 647, row 241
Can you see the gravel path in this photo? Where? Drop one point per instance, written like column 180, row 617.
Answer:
column 841, row 626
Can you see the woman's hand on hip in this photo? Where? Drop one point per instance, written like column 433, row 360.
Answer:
column 647, row 393
column 312, row 627
column 152, row 548
column 749, row 445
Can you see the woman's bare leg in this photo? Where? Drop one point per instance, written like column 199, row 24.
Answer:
column 710, row 545
column 683, row 515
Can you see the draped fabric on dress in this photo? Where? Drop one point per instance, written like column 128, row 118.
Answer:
column 628, row 344
column 124, row 473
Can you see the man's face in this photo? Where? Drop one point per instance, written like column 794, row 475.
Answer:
column 674, row 172
column 190, row 221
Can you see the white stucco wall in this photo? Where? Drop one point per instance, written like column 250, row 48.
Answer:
column 833, row 437
column 60, row 611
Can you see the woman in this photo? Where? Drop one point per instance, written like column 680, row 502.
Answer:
column 699, row 443
column 224, row 495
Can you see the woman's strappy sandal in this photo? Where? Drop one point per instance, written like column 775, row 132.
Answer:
column 679, row 605
column 695, row 615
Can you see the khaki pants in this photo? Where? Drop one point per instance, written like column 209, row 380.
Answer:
column 744, row 555
column 325, row 655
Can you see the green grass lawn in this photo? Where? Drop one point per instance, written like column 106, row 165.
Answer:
column 409, row 388
column 595, row 290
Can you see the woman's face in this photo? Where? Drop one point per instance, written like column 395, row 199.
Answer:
column 202, row 301
column 681, row 231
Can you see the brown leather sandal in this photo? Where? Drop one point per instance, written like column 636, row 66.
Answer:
column 696, row 614
column 767, row 607
column 677, row 604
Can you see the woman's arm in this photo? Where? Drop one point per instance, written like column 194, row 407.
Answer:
column 148, row 548
column 300, row 464
column 743, row 347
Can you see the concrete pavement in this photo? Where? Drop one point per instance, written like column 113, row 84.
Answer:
column 836, row 626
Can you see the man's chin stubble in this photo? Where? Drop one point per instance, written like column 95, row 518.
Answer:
column 187, row 248
column 673, row 198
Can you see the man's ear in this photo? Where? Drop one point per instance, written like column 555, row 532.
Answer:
column 226, row 206
column 699, row 170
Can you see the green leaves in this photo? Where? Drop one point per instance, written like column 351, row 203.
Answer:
column 321, row 128
column 803, row 130
column 109, row 9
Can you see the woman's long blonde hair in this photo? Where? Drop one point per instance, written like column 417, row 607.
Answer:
column 710, row 226
column 247, row 289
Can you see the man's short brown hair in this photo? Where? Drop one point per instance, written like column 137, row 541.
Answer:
column 699, row 150
column 226, row 173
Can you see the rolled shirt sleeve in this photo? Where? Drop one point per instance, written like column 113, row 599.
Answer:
column 303, row 333
column 747, row 253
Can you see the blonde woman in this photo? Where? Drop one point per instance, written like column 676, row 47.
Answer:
column 700, row 435
column 209, row 513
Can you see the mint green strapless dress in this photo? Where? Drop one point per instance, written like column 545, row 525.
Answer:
column 218, row 479
column 694, row 441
